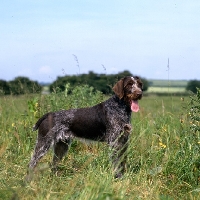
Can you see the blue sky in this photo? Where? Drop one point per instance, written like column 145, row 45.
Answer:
column 39, row 39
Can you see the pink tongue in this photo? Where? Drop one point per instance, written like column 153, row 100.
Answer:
column 134, row 106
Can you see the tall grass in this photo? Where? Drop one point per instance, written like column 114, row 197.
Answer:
column 163, row 155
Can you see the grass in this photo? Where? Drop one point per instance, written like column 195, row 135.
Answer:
column 163, row 155
column 168, row 83
column 166, row 90
column 168, row 86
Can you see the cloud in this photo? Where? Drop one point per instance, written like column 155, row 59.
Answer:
column 45, row 70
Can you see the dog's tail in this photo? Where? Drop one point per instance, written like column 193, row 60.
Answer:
column 36, row 126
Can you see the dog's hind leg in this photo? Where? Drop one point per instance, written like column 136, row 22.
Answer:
column 60, row 149
column 42, row 146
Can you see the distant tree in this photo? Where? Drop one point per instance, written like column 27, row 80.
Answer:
column 193, row 85
column 123, row 74
column 99, row 82
column 23, row 85
column 145, row 84
column 4, row 87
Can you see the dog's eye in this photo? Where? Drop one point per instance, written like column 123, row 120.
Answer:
column 130, row 85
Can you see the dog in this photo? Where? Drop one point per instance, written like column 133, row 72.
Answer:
column 109, row 121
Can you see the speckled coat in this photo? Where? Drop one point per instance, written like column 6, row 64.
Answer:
column 108, row 121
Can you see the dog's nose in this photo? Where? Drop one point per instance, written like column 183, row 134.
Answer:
column 139, row 92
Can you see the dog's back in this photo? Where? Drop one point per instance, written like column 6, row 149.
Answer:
column 108, row 121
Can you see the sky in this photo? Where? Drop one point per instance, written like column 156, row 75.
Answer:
column 44, row 39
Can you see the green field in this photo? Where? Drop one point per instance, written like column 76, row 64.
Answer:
column 167, row 86
column 168, row 83
column 152, row 89
column 163, row 155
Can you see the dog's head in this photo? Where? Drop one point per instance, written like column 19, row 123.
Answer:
column 130, row 90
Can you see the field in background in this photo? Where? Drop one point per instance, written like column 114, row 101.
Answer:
column 166, row 90
column 168, row 83
column 157, row 86
column 163, row 153
column 165, row 86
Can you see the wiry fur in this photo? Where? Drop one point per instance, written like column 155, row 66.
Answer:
column 107, row 122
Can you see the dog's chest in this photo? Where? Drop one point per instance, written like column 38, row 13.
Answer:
column 117, row 110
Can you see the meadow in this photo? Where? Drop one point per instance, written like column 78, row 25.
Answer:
column 168, row 83
column 163, row 154
column 177, row 87
column 174, row 90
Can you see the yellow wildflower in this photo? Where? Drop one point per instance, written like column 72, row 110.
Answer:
column 35, row 113
column 162, row 145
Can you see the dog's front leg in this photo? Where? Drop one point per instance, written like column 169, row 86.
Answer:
column 119, row 145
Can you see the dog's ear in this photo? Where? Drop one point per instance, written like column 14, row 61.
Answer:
column 119, row 88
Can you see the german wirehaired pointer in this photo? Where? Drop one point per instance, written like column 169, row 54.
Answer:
column 109, row 122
